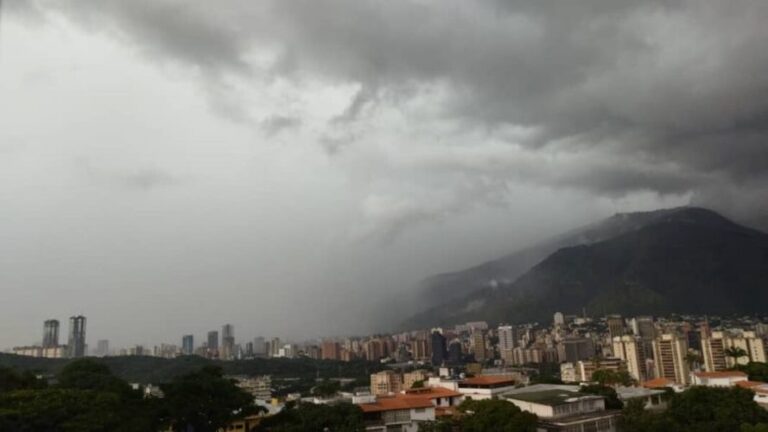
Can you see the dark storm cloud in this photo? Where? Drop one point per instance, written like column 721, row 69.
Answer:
column 679, row 87
column 277, row 123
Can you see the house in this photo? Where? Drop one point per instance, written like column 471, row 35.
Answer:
column 663, row 383
column 396, row 413
column 444, row 400
column 486, row 386
column 563, row 408
column 718, row 379
column 760, row 389
column 653, row 398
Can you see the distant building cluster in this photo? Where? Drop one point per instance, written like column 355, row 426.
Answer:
column 51, row 348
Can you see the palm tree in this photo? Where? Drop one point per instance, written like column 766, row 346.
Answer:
column 693, row 360
column 736, row 353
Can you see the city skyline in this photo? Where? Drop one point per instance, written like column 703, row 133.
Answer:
column 162, row 158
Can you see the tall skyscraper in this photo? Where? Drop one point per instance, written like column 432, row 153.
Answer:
column 507, row 342
column 259, row 347
column 630, row 349
column 615, row 325
column 669, row 352
column 51, row 333
column 330, row 350
column 213, row 344
column 559, row 319
column 575, row 349
column 228, row 342
column 76, row 344
column 188, row 344
column 439, row 348
column 478, row 346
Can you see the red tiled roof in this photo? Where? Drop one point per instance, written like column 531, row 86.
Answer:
column 750, row 384
column 723, row 374
column 431, row 393
column 489, row 380
column 445, row 411
column 396, row 403
column 658, row 383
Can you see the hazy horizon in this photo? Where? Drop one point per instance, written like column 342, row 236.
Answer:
column 171, row 166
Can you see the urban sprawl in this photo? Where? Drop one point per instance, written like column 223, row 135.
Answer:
column 540, row 368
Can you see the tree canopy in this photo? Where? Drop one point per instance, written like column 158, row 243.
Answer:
column 203, row 401
column 494, row 415
column 699, row 409
column 301, row 417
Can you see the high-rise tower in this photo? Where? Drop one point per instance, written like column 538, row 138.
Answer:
column 76, row 344
column 188, row 345
column 228, row 342
column 51, row 333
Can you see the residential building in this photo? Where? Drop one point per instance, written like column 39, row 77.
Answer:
column 582, row 371
column 409, row 378
column 669, row 352
column 630, row 349
column 564, row 408
column 395, row 413
column 507, row 343
column 718, row 379
column 386, row 382
column 575, row 349
column 330, row 350
column 615, row 325
column 486, row 386
column 478, row 346
column 715, row 349
column 260, row 387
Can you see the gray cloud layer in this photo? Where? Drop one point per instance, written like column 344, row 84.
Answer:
column 673, row 91
column 353, row 143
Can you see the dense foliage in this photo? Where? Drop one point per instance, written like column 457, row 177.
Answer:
column 303, row 417
column 288, row 375
column 699, row 409
column 611, row 398
column 491, row 415
column 756, row 371
column 87, row 397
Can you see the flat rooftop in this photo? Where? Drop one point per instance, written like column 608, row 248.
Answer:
column 551, row 397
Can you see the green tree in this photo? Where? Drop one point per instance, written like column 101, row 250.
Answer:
column 203, row 401
column 757, row 371
column 760, row 427
column 635, row 418
column 87, row 374
column 708, row 409
column 326, row 388
column 88, row 398
column 440, row 425
column 11, row 380
column 301, row 417
column 607, row 377
column 611, row 398
column 495, row 415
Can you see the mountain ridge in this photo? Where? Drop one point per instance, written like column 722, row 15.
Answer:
column 686, row 259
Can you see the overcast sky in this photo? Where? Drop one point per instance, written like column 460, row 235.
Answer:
column 291, row 166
